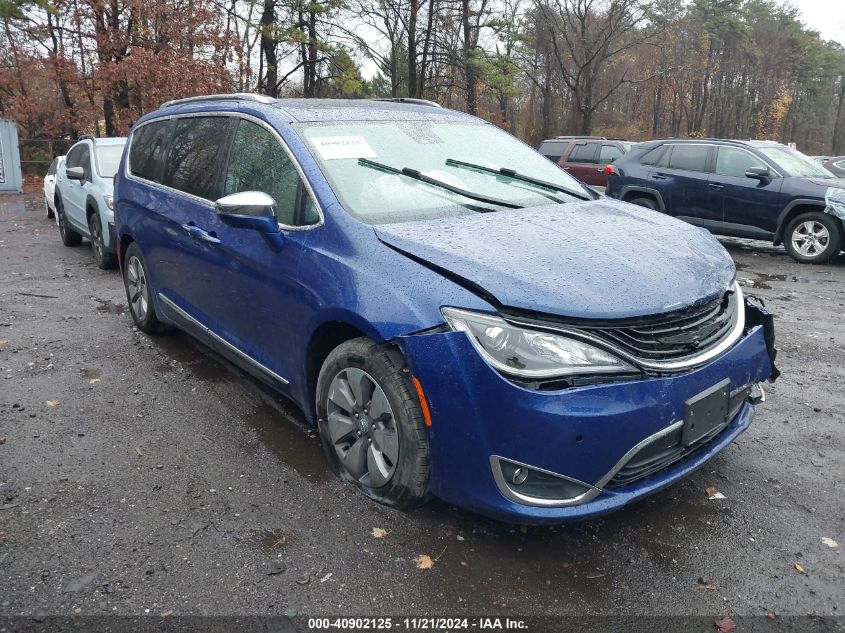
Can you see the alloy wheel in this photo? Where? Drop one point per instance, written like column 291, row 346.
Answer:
column 810, row 238
column 96, row 237
column 136, row 283
column 362, row 427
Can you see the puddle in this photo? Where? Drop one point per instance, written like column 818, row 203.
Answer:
column 109, row 307
column 274, row 541
column 200, row 362
column 90, row 374
column 281, row 428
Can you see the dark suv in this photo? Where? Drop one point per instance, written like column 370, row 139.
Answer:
column 585, row 157
column 754, row 189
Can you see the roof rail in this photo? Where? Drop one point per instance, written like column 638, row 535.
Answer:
column 238, row 96
column 422, row 102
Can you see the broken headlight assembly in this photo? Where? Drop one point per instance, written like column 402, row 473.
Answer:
column 531, row 354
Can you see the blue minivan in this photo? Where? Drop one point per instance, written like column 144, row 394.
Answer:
column 457, row 315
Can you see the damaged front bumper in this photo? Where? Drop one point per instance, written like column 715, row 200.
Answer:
column 599, row 446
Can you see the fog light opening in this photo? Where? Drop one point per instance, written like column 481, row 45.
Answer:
column 534, row 486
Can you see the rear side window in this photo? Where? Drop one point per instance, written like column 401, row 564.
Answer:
column 731, row 161
column 609, row 153
column 257, row 162
column 553, row 150
column 51, row 171
column 193, row 160
column 583, row 153
column 146, row 153
column 652, row 157
column 689, row 157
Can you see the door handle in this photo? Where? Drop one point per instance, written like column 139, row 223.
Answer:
column 658, row 177
column 716, row 187
column 566, row 168
column 197, row 233
column 601, row 169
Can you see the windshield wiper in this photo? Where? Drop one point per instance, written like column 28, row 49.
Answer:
column 515, row 175
column 416, row 175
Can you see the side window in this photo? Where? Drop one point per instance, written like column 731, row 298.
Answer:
column 608, row 154
column 653, row 156
column 80, row 156
column 258, row 162
column 731, row 161
column 146, row 152
column 689, row 157
column 193, row 160
column 583, row 153
column 552, row 150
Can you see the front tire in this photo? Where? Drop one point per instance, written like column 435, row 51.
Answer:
column 371, row 425
column 813, row 238
column 648, row 203
column 139, row 293
column 69, row 236
column 104, row 259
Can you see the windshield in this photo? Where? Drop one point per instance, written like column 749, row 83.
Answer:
column 108, row 159
column 794, row 163
column 379, row 196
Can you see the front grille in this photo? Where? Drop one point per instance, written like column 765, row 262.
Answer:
column 676, row 335
column 668, row 449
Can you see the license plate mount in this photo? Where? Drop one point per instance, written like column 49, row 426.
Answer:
column 705, row 412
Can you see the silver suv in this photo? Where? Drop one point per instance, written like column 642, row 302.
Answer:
column 83, row 199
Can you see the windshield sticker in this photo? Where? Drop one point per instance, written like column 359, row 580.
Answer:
column 338, row 147
column 835, row 199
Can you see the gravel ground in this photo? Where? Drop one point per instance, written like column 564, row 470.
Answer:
column 142, row 475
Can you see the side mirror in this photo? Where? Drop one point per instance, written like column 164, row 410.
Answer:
column 251, row 210
column 759, row 173
column 75, row 173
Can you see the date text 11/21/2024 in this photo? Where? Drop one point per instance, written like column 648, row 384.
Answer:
column 442, row 625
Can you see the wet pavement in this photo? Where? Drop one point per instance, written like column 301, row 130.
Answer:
column 143, row 475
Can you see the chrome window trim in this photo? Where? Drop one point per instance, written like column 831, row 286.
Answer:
column 516, row 497
column 688, row 363
column 240, row 115
column 170, row 304
column 717, row 145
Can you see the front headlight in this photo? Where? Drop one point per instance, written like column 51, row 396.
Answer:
column 531, row 353
column 109, row 200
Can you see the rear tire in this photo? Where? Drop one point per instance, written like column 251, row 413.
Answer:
column 813, row 238
column 68, row 235
column 371, row 425
column 139, row 293
column 648, row 203
column 104, row 259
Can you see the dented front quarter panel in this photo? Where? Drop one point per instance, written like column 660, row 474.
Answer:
column 579, row 432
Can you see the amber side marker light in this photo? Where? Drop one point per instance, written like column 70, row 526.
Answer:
column 423, row 402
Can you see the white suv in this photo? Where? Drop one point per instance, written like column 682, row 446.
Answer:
column 83, row 196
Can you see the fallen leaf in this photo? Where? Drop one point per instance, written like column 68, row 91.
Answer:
column 423, row 561
column 712, row 493
column 326, row 577
column 93, row 381
column 138, row 450
column 710, row 586
column 770, row 616
column 799, row 569
column 164, row 614
column 725, row 625
column 829, row 542
column 3, row 341
column 379, row 532
column 52, row 403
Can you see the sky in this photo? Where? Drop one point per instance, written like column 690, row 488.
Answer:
column 825, row 16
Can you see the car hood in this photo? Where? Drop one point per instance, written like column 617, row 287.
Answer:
column 600, row 259
column 828, row 182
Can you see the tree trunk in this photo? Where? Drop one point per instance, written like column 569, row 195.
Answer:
column 469, row 69
column 269, row 83
column 836, row 142
column 412, row 48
